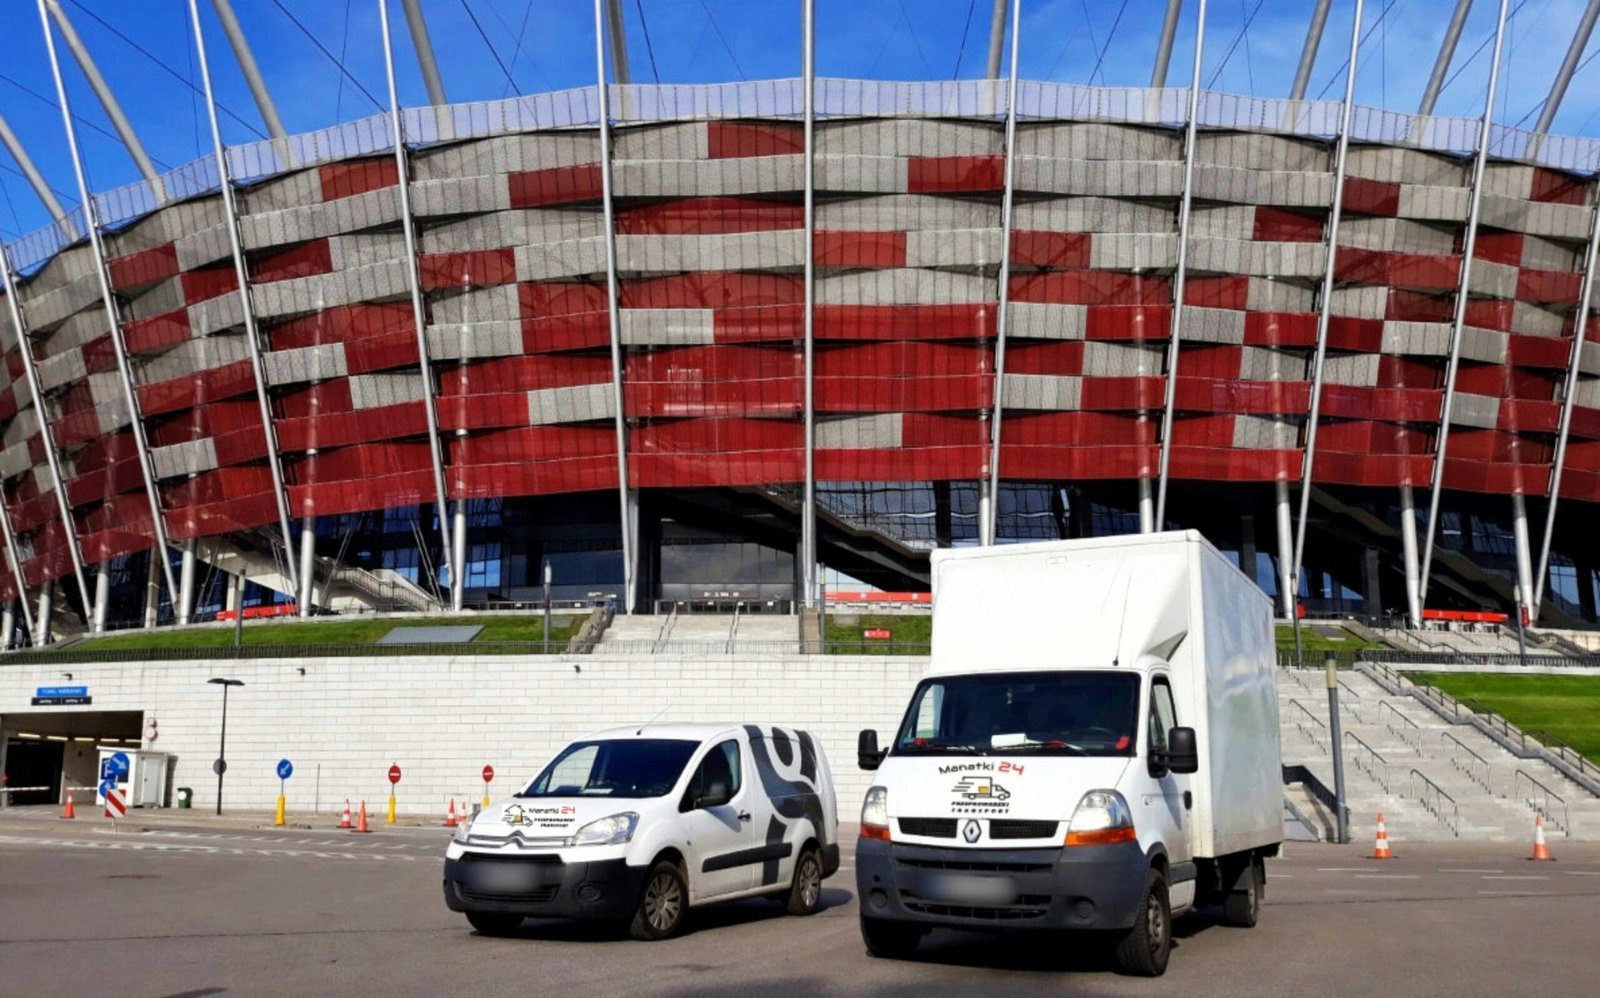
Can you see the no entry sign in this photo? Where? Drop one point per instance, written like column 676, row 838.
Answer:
column 394, row 774
column 488, row 774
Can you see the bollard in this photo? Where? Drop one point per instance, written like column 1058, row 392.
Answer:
column 277, row 822
column 390, row 819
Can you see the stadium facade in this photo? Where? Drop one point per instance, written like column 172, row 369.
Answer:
column 690, row 342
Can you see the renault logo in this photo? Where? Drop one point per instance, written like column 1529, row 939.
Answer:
column 971, row 832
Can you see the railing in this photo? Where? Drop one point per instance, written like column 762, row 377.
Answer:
column 1316, row 788
column 1541, row 805
column 666, row 629
column 1408, row 731
column 1566, row 753
column 733, row 628
column 1310, row 730
column 1370, row 761
column 1494, row 722
column 1433, row 800
column 1474, row 765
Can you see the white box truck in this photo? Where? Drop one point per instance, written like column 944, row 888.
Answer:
column 1095, row 746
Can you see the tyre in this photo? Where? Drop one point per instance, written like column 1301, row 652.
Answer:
column 890, row 940
column 663, row 903
column 1241, row 909
column 494, row 923
column 1143, row 950
column 805, row 893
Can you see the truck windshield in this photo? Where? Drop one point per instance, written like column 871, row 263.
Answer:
column 1066, row 713
column 634, row 767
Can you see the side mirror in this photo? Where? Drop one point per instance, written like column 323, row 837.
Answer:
column 716, row 795
column 867, row 754
column 1182, row 754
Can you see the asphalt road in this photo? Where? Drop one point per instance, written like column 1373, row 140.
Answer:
column 212, row 910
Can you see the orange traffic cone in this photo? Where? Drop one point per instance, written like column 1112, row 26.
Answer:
column 1380, row 849
column 450, row 815
column 1540, row 850
column 361, row 825
column 68, row 811
column 344, row 822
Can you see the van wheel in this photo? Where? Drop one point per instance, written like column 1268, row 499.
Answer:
column 662, row 905
column 1241, row 909
column 890, row 940
column 1143, row 951
column 805, row 894
column 494, row 923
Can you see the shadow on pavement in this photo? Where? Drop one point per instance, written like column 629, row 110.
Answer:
column 747, row 912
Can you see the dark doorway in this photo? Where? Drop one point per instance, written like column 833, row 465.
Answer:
column 31, row 763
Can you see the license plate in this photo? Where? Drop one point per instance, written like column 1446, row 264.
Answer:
column 968, row 889
column 506, row 878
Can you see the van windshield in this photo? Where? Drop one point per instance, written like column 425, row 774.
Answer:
column 1066, row 713
column 633, row 767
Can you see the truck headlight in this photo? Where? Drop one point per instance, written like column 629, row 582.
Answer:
column 1101, row 818
column 612, row 831
column 875, row 814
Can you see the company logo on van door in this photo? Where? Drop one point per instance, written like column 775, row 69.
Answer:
column 542, row 817
column 977, row 792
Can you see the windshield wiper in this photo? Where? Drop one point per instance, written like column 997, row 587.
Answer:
column 1055, row 746
column 936, row 747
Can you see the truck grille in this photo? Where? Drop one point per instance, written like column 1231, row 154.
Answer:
column 974, row 866
column 1026, row 906
column 931, row 828
column 539, row 895
column 1014, row 828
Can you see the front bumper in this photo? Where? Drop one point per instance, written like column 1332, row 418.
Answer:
column 542, row 886
column 1082, row 887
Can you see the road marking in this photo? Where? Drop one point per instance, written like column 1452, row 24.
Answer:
column 1583, row 873
column 1520, row 894
column 1388, row 876
column 1453, row 870
column 1514, row 877
column 1341, row 869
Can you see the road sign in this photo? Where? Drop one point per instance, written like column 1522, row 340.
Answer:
column 220, row 766
column 394, row 774
column 116, row 803
column 285, row 769
column 488, row 773
column 106, row 786
column 61, row 696
column 119, row 764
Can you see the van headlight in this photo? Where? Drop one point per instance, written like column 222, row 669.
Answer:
column 612, row 831
column 1101, row 818
column 463, row 831
column 875, row 814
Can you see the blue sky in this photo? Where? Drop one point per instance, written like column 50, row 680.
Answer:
column 549, row 45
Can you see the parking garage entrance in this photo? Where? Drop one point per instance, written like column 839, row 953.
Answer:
column 59, row 748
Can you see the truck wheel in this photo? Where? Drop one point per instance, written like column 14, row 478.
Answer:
column 1241, row 909
column 805, row 894
column 494, row 923
column 1143, row 951
column 662, row 905
column 890, row 940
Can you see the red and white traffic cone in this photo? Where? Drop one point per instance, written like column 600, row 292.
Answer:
column 344, row 822
column 1541, row 851
column 1380, row 849
column 361, row 825
column 450, row 815
column 69, row 811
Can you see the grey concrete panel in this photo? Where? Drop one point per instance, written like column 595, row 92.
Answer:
column 478, row 305
column 46, row 309
column 1103, row 178
column 1040, row 321
column 512, row 228
column 571, row 258
column 507, row 154
column 348, row 252
column 1262, row 152
column 1135, row 251
column 1267, row 295
column 188, row 458
column 907, row 213
column 909, row 137
column 1417, row 339
column 860, row 432
column 1266, row 364
column 1093, row 214
column 459, row 196
column 61, row 369
column 1212, row 325
column 1262, row 433
column 1547, row 254
column 215, row 315
column 1481, row 411
column 1487, row 345
column 202, row 247
column 1121, row 360
column 1228, row 221
column 686, row 140
column 904, row 287
column 954, row 248
column 500, row 338
column 1587, row 391
column 14, row 460
column 20, row 427
column 74, row 331
column 751, row 175
column 375, row 282
column 1533, row 320
column 1271, row 187
column 164, row 296
column 1360, row 369
column 577, row 404
column 653, row 254
column 370, row 391
column 1089, row 140
column 1492, row 280
column 1397, row 235
column 1511, row 180
column 1448, row 204
column 667, row 326
column 315, row 221
column 1360, row 302
column 863, row 174
column 278, row 193
column 1406, row 166
column 318, row 363
column 1042, row 392
column 1589, row 358
column 190, row 357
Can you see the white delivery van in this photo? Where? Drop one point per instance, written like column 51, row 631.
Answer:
column 1095, row 746
column 640, row 824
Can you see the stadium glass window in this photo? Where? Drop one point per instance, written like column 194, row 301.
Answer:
column 400, row 520
column 483, row 566
column 405, row 561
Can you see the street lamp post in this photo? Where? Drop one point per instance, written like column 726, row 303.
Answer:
column 1341, row 814
column 548, row 575
column 221, row 765
column 1522, row 641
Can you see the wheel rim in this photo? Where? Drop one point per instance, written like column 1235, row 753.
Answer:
column 663, row 901
column 1155, row 924
column 810, row 882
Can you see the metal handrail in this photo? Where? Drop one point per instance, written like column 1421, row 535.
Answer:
column 1416, row 729
column 1565, row 824
column 733, row 628
column 1566, row 753
column 1468, row 768
column 666, row 629
column 1435, row 807
column 1346, row 687
column 1366, row 763
column 1496, row 722
column 1311, row 731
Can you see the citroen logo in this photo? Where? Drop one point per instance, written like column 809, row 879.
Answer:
column 971, row 832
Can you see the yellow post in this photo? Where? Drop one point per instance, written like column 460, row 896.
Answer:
column 278, row 821
column 486, row 802
column 391, row 808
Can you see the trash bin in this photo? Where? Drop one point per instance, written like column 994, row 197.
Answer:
column 185, row 797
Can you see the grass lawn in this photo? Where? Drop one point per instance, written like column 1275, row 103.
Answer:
column 1310, row 640
column 910, row 634
column 1567, row 707
column 329, row 632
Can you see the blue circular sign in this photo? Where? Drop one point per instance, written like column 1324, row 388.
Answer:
column 106, row 787
column 118, row 764
column 285, row 769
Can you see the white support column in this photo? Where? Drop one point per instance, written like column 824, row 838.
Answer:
column 1447, row 53
column 1181, row 275
column 1469, row 245
column 152, row 589
column 1580, row 322
column 232, row 593
column 408, row 226
column 618, row 36
column 1147, row 507
column 630, row 563
column 1308, row 52
column 1408, row 545
column 52, row 456
column 42, row 615
column 1325, row 309
column 987, row 526
column 423, row 43
column 8, row 624
column 1169, row 31
column 183, row 606
column 41, row 190
column 1524, row 553
column 14, row 565
column 997, row 37
column 1288, row 564
column 108, row 300
column 308, row 566
column 230, row 207
column 102, row 597
column 808, row 502
column 458, row 563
